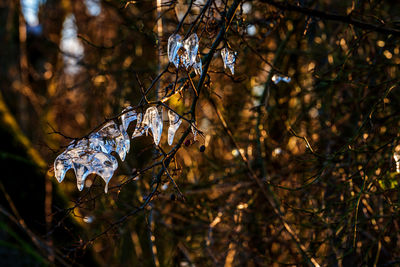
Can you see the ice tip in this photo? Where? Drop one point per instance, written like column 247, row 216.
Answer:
column 59, row 179
column 80, row 186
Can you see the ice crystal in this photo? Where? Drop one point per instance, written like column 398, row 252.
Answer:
column 174, row 123
column 110, row 138
column 194, row 132
column 191, row 45
column 127, row 117
column 396, row 156
column 138, row 130
column 198, row 67
column 278, row 78
column 93, row 154
column 229, row 59
column 174, row 44
column 184, row 52
column 153, row 121
column 85, row 161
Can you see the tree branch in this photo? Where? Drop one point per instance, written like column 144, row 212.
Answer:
column 334, row 17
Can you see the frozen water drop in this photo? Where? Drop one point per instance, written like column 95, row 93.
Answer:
column 191, row 45
column 61, row 165
column 174, row 44
column 229, row 59
column 164, row 187
column 184, row 51
column 146, row 121
column 174, row 123
column 104, row 166
column 128, row 117
column 184, row 58
column 81, row 172
column 139, row 129
column 396, row 156
column 88, row 219
column 81, row 160
column 198, row 66
column 194, row 132
column 278, row 78
column 92, row 155
column 127, row 141
column 110, row 138
column 154, row 122
column 86, row 161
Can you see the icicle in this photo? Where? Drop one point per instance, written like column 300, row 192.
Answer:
column 127, row 141
column 191, row 45
column 198, row 66
column 229, row 59
column 104, row 166
column 194, row 132
column 174, row 123
column 61, row 165
column 109, row 138
column 146, row 121
column 184, row 51
column 138, row 130
column 81, row 172
column 278, row 78
column 174, row 44
column 93, row 154
column 396, row 156
column 154, row 122
column 128, row 117
column 85, row 161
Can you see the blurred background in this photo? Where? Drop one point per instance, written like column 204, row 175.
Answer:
column 296, row 172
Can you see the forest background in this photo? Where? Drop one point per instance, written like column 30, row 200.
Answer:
column 293, row 173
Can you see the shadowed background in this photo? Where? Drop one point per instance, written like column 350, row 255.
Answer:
column 293, row 173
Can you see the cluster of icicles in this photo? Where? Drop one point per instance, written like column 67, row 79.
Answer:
column 184, row 52
column 93, row 154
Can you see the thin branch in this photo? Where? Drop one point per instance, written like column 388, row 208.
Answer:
column 334, row 17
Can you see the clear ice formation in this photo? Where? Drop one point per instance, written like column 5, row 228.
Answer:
column 138, row 130
column 93, row 154
column 184, row 52
column 191, row 45
column 229, row 59
column 152, row 120
column 84, row 161
column 61, row 165
column 128, row 117
column 174, row 44
column 278, row 78
column 396, row 156
column 174, row 123
column 110, row 138
column 198, row 68
column 194, row 132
